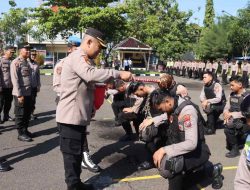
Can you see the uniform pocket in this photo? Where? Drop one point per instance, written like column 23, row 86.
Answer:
column 71, row 146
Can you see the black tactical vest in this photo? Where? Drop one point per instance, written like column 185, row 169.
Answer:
column 235, row 101
column 172, row 89
column 209, row 92
column 119, row 96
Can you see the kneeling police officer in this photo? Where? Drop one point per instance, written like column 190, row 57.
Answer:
column 185, row 149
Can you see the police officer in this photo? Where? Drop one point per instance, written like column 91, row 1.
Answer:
column 185, row 149
column 213, row 101
column 242, row 177
column 76, row 102
column 184, row 68
column 21, row 79
column 233, row 119
column 202, row 66
column 234, row 68
column 224, row 71
column 35, row 81
column 215, row 69
column 208, row 67
column 6, row 84
column 72, row 45
column 245, row 73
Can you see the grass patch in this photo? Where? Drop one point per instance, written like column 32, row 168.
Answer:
column 145, row 72
column 43, row 71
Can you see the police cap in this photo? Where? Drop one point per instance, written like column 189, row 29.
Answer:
column 74, row 41
column 33, row 52
column 12, row 48
column 98, row 35
column 245, row 106
column 24, row 45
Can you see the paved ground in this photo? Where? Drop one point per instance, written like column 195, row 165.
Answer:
column 38, row 165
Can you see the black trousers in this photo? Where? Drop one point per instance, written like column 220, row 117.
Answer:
column 22, row 114
column 200, row 74
column 234, row 137
column 117, row 107
column 33, row 99
column 212, row 119
column 72, row 139
column 5, row 101
column 245, row 79
column 224, row 77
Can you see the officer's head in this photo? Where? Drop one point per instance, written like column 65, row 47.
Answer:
column 33, row 55
column 93, row 42
column 165, row 81
column 137, row 88
column 120, row 85
column 207, row 77
column 24, row 50
column 162, row 101
column 236, row 83
column 9, row 51
column 73, row 43
column 245, row 108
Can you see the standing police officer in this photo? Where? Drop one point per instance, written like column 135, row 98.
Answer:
column 35, row 81
column 234, row 68
column 233, row 119
column 245, row 73
column 213, row 101
column 224, row 71
column 215, row 66
column 75, row 106
column 242, row 178
column 6, row 95
column 21, row 79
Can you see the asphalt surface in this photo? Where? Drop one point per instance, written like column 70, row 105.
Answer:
column 38, row 165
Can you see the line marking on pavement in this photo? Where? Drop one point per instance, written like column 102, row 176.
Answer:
column 109, row 101
column 200, row 187
column 107, row 118
column 158, row 176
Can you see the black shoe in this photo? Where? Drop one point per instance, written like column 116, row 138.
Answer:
column 146, row 165
column 5, row 167
column 29, row 134
column 24, row 138
column 82, row 186
column 126, row 138
column 217, row 177
column 209, row 131
column 8, row 118
column 117, row 123
column 233, row 153
column 87, row 163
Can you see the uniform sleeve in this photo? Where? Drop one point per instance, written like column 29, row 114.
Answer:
column 14, row 78
column 92, row 74
column 218, row 93
column 242, row 177
column 227, row 106
column 135, row 108
column 160, row 119
column 189, row 117
column 38, row 77
column 202, row 95
column 56, row 80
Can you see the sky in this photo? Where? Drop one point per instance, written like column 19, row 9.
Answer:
column 230, row 6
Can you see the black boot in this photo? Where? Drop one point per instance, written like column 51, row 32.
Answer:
column 82, row 186
column 146, row 165
column 217, row 177
column 234, row 152
column 5, row 167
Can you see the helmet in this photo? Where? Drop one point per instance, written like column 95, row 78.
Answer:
column 245, row 106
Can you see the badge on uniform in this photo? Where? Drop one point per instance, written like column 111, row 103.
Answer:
column 59, row 70
column 187, row 121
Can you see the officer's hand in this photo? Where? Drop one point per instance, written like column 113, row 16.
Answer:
column 126, row 76
column 127, row 110
column 20, row 99
column 227, row 115
column 157, row 157
column 145, row 123
column 204, row 104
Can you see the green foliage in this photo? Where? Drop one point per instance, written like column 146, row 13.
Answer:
column 161, row 25
column 209, row 14
column 12, row 3
column 14, row 25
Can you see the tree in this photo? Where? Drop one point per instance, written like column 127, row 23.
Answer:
column 14, row 26
column 160, row 24
column 209, row 14
column 67, row 17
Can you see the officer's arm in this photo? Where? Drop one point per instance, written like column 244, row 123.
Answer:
column 160, row 119
column 135, row 108
column 38, row 77
column 241, row 180
column 56, row 80
column 202, row 95
column 227, row 106
column 187, row 121
column 14, row 78
column 218, row 93
column 90, row 73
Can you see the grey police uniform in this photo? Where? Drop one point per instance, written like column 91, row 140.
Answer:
column 35, row 83
column 6, row 96
column 21, row 79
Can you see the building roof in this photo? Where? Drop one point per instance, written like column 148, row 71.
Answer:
column 132, row 44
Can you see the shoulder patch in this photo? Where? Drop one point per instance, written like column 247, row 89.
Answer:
column 187, row 121
column 59, row 70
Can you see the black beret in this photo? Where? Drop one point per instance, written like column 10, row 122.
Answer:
column 98, row 35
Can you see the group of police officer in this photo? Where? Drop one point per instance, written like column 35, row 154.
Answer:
column 19, row 79
column 195, row 69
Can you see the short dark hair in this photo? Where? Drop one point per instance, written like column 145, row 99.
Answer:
column 158, row 96
column 134, row 86
column 118, row 83
column 236, row 79
column 208, row 73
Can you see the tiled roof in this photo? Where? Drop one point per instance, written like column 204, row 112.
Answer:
column 132, row 43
